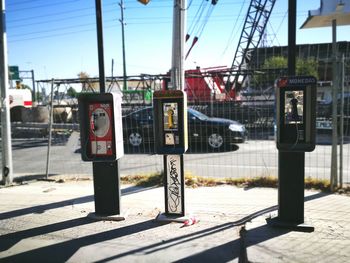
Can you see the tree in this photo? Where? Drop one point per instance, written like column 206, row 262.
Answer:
column 39, row 96
column 307, row 66
column 71, row 92
column 86, row 84
column 275, row 63
column 277, row 66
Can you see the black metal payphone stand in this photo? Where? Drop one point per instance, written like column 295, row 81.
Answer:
column 107, row 190
column 174, row 185
column 174, row 191
column 291, row 175
column 291, row 165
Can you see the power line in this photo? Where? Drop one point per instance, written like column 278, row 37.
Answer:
column 36, row 17
column 45, row 5
column 92, row 15
column 57, row 35
column 230, row 39
column 47, row 15
column 58, row 29
column 50, row 30
column 155, row 19
column 48, row 21
column 145, row 20
column 278, row 28
column 89, row 24
column 170, row 6
column 21, row 2
column 274, row 35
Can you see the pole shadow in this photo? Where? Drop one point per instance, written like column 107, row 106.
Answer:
column 63, row 251
column 39, row 209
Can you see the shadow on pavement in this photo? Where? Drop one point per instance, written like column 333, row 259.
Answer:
column 32, row 177
column 232, row 250
column 38, row 142
column 39, row 209
column 64, row 250
column 9, row 240
column 238, row 248
column 23, row 144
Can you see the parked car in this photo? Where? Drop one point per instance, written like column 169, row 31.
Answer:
column 215, row 133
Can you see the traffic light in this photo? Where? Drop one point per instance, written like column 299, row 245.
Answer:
column 145, row 2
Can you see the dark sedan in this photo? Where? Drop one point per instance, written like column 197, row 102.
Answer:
column 216, row 133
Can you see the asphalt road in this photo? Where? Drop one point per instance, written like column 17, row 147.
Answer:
column 250, row 159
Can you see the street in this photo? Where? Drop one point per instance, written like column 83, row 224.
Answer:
column 252, row 158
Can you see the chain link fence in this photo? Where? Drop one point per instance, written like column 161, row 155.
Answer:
column 36, row 154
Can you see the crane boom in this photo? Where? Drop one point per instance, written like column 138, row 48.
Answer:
column 258, row 14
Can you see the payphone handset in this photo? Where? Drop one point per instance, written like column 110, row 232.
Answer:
column 296, row 113
column 170, row 121
column 100, row 126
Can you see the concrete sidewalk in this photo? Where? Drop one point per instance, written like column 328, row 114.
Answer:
column 47, row 222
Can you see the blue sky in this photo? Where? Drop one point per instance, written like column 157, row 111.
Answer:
column 57, row 38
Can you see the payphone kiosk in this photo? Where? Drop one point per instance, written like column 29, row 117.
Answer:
column 101, row 133
column 101, row 139
column 170, row 121
column 296, row 113
column 170, row 133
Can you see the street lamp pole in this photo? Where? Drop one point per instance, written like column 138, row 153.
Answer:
column 121, row 4
column 178, row 57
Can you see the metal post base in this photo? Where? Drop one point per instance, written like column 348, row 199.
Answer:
column 277, row 222
column 106, row 218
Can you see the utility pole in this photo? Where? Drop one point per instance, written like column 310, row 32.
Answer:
column 121, row 4
column 6, row 146
column 178, row 54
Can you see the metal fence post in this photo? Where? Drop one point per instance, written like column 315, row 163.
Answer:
column 341, row 123
column 334, row 160
column 50, row 132
column 7, row 167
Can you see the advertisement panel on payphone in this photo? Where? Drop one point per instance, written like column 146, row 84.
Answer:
column 170, row 123
column 100, row 135
column 294, row 107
